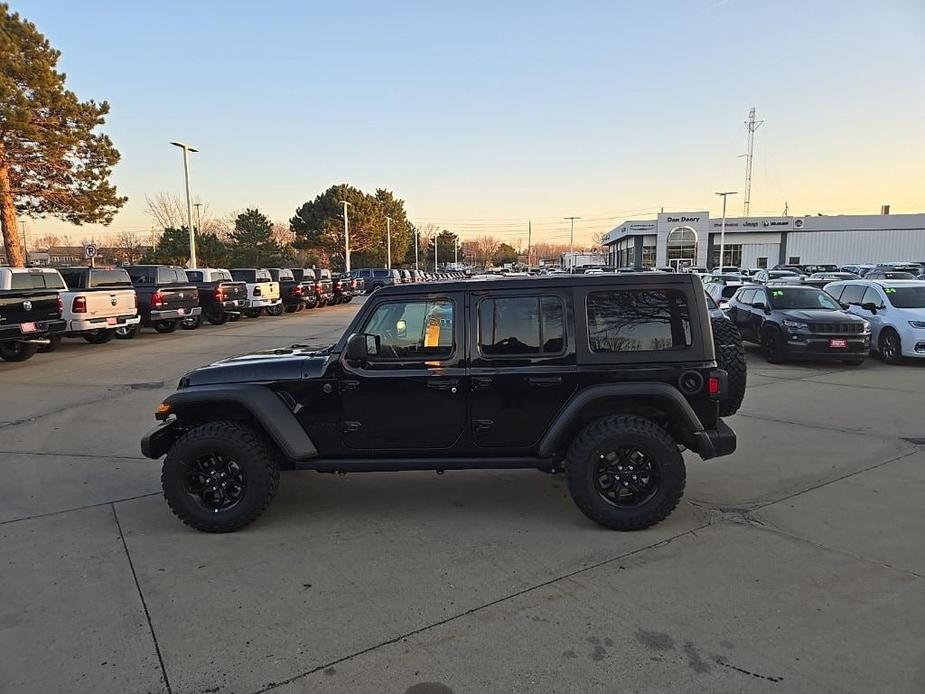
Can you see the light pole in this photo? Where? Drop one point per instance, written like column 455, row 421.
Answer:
column 346, row 237
column 456, row 252
column 415, row 248
column 189, row 202
column 388, row 242
column 571, row 244
column 722, row 228
column 198, row 206
column 436, row 236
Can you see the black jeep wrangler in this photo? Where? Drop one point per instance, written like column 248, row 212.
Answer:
column 608, row 379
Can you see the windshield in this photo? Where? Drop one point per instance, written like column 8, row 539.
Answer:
column 803, row 299
column 906, row 297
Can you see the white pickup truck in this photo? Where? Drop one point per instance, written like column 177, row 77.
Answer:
column 262, row 291
column 96, row 302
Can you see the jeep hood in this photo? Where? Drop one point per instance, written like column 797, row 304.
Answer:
column 819, row 315
column 298, row 362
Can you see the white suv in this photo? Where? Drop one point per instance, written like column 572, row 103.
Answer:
column 895, row 310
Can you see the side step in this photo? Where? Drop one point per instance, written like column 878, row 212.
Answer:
column 407, row 464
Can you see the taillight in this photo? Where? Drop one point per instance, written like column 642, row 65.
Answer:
column 717, row 384
column 219, row 294
column 714, row 385
column 196, row 295
column 79, row 305
column 157, row 299
column 60, row 303
column 134, row 300
column 297, row 290
column 257, row 291
column 317, row 287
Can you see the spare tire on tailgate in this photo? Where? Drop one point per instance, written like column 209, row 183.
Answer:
column 730, row 356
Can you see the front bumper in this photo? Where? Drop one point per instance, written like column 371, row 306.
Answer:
column 43, row 328
column 230, row 306
column 87, row 324
column 818, row 346
column 158, row 440
column 176, row 313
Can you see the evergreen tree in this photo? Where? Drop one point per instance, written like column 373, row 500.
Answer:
column 251, row 242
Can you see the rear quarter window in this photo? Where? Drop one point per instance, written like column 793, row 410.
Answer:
column 110, row 278
column 143, row 275
column 194, row 275
column 243, row 275
column 638, row 320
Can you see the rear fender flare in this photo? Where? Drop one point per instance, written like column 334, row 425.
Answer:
column 662, row 394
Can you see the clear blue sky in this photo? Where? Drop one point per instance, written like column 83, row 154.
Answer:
column 482, row 114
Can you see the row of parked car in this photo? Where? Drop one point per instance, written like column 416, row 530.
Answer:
column 40, row 306
column 845, row 320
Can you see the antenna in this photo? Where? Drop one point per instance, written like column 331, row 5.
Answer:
column 751, row 125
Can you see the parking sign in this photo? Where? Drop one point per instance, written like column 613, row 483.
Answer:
column 90, row 251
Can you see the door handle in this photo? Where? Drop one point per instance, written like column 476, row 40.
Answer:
column 443, row 384
column 480, row 382
column 482, row 424
column 544, row 381
column 349, row 385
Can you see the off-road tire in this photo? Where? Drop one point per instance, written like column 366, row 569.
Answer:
column 252, row 312
column 165, row 326
column 218, row 318
column 249, row 449
column 127, row 332
column 772, row 344
column 18, row 351
column 730, row 356
column 584, row 456
column 99, row 337
column 54, row 341
column 888, row 354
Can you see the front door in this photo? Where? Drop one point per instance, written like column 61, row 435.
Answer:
column 522, row 364
column 411, row 396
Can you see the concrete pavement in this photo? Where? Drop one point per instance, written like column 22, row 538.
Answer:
column 795, row 565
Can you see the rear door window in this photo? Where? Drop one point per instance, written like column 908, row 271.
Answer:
column 110, row 278
column 746, row 297
column 836, row 292
column 243, row 275
column 521, row 325
column 638, row 320
column 264, row 276
column 143, row 275
column 194, row 275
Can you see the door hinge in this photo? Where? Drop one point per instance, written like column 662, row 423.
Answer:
column 351, row 427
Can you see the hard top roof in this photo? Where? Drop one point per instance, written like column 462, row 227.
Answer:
column 596, row 281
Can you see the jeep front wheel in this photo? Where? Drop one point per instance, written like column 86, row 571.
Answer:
column 625, row 473
column 220, row 476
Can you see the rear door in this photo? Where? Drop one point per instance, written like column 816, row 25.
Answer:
column 410, row 397
column 522, row 364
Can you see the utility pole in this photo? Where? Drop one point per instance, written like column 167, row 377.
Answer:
column 722, row 232
column 388, row 242
column 751, row 125
column 571, row 244
column 529, row 243
column 346, row 237
column 436, row 236
column 456, row 251
column 25, row 243
column 416, row 248
column 198, row 206
column 189, row 201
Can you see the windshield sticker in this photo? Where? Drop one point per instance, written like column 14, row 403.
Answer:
column 890, row 290
column 777, row 292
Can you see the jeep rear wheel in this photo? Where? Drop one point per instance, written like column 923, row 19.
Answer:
column 730, row 356
column 625, row 473
column 220, row 476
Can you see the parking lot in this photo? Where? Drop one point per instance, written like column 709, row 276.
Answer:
column 794, row 565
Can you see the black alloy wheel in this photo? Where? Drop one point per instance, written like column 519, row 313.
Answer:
column 191, row 322
column 18, row 351
column 772, row 345
column 626, row 477
column 126, row 332
column 218, row 318
column 216, row 482
column 165, row 326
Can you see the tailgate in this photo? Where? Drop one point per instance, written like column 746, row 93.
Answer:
column 178, row 296
column 234, row 290
column 103, row 303
column 268, row 290
column 27, row 306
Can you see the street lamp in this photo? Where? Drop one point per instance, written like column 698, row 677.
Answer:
column 722, row 228
column 189, row 202
column 388, row 242
column 198, row 206
column 346, row 237
column 571, row 244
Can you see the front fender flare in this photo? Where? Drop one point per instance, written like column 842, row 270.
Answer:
column 273, row 416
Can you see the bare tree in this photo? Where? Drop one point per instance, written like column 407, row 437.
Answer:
column 129, row 245
column 282, row 234
column 597, row 240
column 169, row 212
column 49, row 240
column 486, row 247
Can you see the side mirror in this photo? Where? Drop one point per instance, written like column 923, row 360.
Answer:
column 362, row 346
column 844, row 305
column 869, row 306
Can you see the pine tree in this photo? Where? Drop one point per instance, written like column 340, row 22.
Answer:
column 251, row 242
column 51, row 160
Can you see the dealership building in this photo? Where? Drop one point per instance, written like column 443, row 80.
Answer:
column 692, row 239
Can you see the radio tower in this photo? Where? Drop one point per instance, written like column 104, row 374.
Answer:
column 751, row 125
